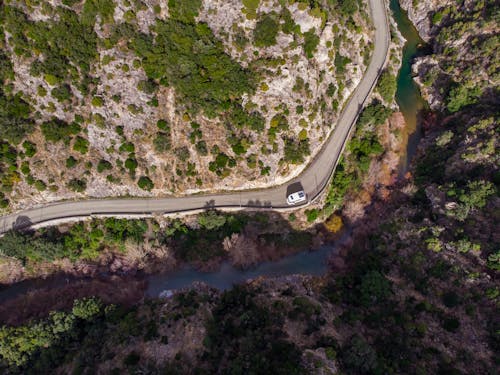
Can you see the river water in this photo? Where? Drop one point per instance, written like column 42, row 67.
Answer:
column 306, row 262
column 408, row 95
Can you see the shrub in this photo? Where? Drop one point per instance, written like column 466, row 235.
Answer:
column 29, row 148
column 205, row 77
column 97, row 101
column 211, row 220
column 162, row 124
column 358, row 355
column 451, row 324
column 386, row 86
column 57, row 130
column 201, row 148
column 78, row 185
column 331, row 90
column 451, row 299
column 182, row 153
column 303, row 135
column 40, row 185
column 461, row 96
column 296, row 151
column 251, row 8
column 132, row 359
column 147, row 86
column 334, row 223
column 145, row 183
column 104, row 165
column 62, row 93
column 81, row 145
column 131, row 164
column 341, row 63
column 87, row 308
column 162, row 142
column 127, row 147
column 266, row 30
column 71, row 162
column 312, row 215
column 311, row 41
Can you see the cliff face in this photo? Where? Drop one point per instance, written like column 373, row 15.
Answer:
column 464, row 38
column 420, row 14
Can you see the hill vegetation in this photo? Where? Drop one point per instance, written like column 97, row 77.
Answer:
column 89, row 81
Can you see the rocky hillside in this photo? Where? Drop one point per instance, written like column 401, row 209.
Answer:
column 146, row 98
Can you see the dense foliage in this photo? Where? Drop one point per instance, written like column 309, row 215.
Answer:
column 245, row 337
column 361, row 149
column 15, row 113
column 197, row 243
column 68, row 46
column 186, row 55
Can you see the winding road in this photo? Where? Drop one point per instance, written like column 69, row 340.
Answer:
column 314, row 179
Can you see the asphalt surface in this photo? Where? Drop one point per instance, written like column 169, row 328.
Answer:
column 314, row 179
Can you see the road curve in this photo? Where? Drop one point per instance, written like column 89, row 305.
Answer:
column 314, row 179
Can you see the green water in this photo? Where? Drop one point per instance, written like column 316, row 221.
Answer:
column 408, row 94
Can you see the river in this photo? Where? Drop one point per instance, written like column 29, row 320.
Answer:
column 408, row 95
column 306, row 262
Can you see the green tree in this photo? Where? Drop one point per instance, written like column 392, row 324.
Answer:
column 87, row 308
column 211, row 220
column 145, row 183
column 386, row 86
column 359, row 356
column 311, row 41
column 266, row 30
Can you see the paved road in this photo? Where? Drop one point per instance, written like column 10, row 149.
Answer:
column 314, row 179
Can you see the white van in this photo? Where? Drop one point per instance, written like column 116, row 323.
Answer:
column 296, row 197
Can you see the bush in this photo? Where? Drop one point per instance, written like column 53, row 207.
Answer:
column 162, row 142
column 131, row 164
column 40, row 185
column 57, row 130
column 182, row 153
column 97, row 101
column 451, row 324
column 81, row 145
column 145, row 183
column 266, row 30
column 201, row 148
column 87, row 308
column 211, row 220
column 62, row 93
column 104, row 165
column 334, row 223
column 71, row 162
column 64, row 42
column 25, row 247
column 386, row 86
column 312, row 215
column 78, row 185
column 29, row 148
column 127, row 147
column 311, row 41
column 162, row 125
column 296, row 151
column 359, row 356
